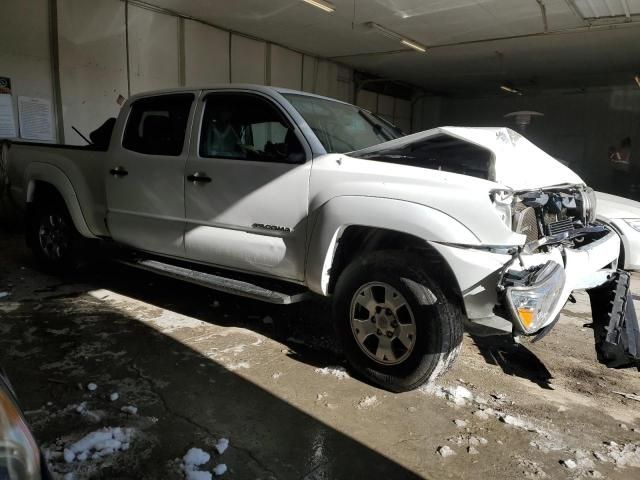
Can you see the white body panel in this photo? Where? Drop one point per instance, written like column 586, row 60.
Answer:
column 613, row 211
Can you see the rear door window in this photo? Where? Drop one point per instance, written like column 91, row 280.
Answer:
column 157, row 125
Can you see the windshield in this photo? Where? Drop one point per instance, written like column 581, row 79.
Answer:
column 341, row 127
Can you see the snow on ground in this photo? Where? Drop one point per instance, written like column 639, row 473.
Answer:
column 339, row 372
column 195, row 458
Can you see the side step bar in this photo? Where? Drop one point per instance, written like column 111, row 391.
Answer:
column 219, row 283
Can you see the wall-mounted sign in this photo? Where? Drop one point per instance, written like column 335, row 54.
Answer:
column 7, row 118
column 5, row 85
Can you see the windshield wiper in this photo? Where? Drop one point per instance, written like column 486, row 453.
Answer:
column 378, row 129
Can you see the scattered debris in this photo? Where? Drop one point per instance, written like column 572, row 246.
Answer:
column 339, row 372
column 630, row 396
column 481, row 414
column 222, row 445
column 445, row 451
column 570, row 464
column 472, row 451
column 114, row 396
column 594, row 474
column 368, row 402
column 276, row 375
column 130, row 409
column 412, row 409
column 460, row 423
column 92, row 387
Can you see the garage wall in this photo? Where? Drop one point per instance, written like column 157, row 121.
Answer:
column 108, row 48
column 394, row 110
column 578, row 127
column 93, row 63
column 25, row 55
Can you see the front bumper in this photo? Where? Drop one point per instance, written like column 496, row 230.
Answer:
column 630, row 238
column 480, row 273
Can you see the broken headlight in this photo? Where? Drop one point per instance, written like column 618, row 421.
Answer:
column 532, row 304
column 19, row 454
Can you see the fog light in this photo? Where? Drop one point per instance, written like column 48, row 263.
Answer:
column 532, row 305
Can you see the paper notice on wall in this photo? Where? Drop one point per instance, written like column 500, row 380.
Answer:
column 7, row 119
column 35, row 118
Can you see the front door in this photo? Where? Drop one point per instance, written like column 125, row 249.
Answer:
column 145, row 175
column 247, row 188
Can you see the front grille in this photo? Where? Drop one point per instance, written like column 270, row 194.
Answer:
column 560, row 226
column 526, row 223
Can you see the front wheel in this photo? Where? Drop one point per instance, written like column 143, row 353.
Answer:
column 397, row 327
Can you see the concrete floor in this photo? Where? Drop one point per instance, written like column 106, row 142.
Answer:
column 201, row 365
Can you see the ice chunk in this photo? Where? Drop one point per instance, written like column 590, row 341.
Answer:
column 114, row 396
column 220, row 469
column 198, row 475
column 92, row 386
column 570, row 464
column 472, row 451
column 195, row 457
column 460, row 423
column 130, row 409
column 69, row 456
column 90, row 440
column 339, row 372
column 222, row 445
column 445, row 451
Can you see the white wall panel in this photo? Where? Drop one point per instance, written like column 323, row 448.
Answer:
column 309, row 65
column 93, row 70
column 206, row 54
column 385, row 107
column 368, row 100
column 24, row 48
column 153, row 50
column 327, row 78
column 248, row 60
column 286, row 68
column 345, row 84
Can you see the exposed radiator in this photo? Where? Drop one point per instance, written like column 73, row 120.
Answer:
column 526, row 223
column 560, row 226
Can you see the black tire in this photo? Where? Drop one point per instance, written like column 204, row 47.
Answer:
column 438, row 320
column 49, row 218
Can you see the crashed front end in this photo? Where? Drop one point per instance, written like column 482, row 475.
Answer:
column 564, row 251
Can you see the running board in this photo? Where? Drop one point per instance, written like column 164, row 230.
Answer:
column 219, row 283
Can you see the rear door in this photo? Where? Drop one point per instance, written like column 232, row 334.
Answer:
column 247, row 188
column 145, row 175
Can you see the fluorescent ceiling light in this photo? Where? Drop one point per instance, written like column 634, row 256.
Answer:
column 407, row 42
column 594, row 9
column 510, row 89
column 322, row 5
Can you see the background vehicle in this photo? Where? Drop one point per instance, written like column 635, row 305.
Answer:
column 622, row 215
column 410, row 236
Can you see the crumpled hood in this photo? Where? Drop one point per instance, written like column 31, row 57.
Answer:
column 515, row 161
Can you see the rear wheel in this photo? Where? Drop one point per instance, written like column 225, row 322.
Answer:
column 396, row 325
column 56, row 244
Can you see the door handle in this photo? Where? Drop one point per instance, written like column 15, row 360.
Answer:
column 118, row 172
column 199, row 177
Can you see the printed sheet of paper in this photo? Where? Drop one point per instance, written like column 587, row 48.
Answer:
column 35, row 118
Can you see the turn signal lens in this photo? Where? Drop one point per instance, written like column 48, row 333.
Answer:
column 527, row 315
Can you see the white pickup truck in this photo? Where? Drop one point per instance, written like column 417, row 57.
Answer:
column 285, row 194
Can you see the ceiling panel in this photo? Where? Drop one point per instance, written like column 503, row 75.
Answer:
column 592, row 57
